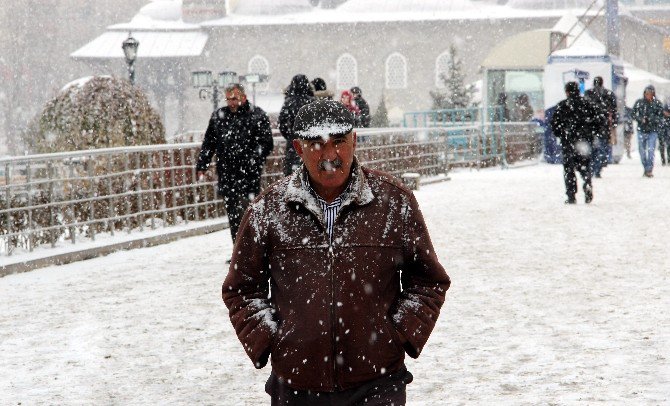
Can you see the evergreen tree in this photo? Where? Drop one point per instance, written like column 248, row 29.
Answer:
column 456, row 94
column 381, row 116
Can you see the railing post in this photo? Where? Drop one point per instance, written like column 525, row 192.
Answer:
column 182, row 173
column 138, row 188
column 162, row 182
column 111, row 200
column 503, row 145
column 194, row 182
column 8, row 202
column 483, row 133
column 29, row 199
column 172, row 183
column 52, row 220
column 152, row 193
column 126, row 177
column 73, row 230
column 90, row 164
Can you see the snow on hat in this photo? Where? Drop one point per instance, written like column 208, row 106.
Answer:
column 650, row 88
column 323, row 119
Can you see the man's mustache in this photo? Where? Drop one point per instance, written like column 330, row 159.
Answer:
column 327, row 165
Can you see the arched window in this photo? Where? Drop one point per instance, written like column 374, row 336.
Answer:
column 347, row 72
column 441, row 67
column 258, row 64
column 396, row 71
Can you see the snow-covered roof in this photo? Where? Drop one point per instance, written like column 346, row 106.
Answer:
column 552, row 4
column 153, row 44
column 159, row 28
column 526, row 50
column 395, row 6
column 580, row 42
column 530, row 49
column 354, row 11
column 270, row 7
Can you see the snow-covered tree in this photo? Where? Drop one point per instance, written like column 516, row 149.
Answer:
column 456, row 94
column 381, row 116
column 99, row 112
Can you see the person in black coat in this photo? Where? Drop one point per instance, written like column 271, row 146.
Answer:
column 575, row 122
column 240, row 136
column 298, row 94
column 606, row 105
column 321, row 92
column 364, row 119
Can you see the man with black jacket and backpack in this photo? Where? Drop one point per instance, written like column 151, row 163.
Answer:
column 575, row 122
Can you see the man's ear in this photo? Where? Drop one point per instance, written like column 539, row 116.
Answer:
column 297, row 145
column 355, row 138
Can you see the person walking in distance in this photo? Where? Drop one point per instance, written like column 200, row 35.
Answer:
column 315, row 280
column 363, row 106
column 575, row 122
column 297, row 94
column 240, row 136
column 648, row 112
column 347, row 99
column 320, row 89
column 605, row 102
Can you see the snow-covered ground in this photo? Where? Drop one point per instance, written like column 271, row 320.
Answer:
column 549, row 304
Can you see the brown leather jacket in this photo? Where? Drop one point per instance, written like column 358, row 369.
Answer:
column 333, row 315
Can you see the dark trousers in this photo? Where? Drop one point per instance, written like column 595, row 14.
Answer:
column 599, row 155
column 388, row 390
column 574, row 161
column 236, row 205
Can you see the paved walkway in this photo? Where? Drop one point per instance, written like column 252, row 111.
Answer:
column 550, row 304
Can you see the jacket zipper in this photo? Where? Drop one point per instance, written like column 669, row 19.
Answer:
column 333, row 322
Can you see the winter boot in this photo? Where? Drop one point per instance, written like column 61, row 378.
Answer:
column 588, row 192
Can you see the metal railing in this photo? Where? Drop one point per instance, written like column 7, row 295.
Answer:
column 478, row 137
column 49, row 199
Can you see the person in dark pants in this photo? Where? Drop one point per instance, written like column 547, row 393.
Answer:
column 363, row 106
column 628, row 129
column 297, row 94
column 240, row 136
column 606, row 106
column 319, row 288
column 575, row 122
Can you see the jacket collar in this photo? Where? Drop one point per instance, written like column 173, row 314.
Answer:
column 358, row 192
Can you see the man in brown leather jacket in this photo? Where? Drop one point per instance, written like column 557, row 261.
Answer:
column 334, row 276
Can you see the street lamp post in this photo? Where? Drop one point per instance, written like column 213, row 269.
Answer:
column 255, row 78
column 209, row 88
column 129, row 47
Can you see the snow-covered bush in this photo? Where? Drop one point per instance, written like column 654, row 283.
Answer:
column 99, row 112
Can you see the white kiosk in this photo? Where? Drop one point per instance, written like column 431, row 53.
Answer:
column 582, row 62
